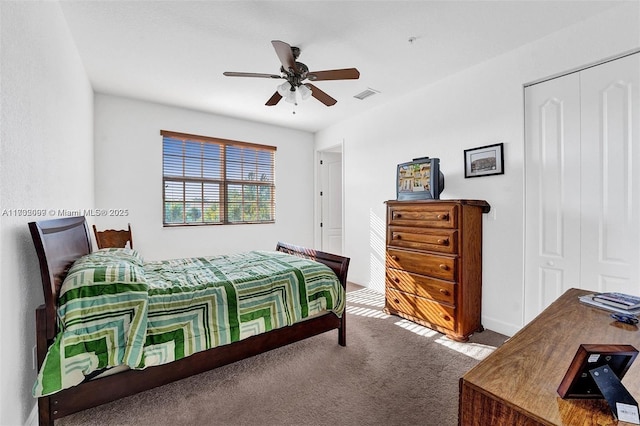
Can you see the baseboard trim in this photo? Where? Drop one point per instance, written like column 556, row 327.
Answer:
column 500, row 326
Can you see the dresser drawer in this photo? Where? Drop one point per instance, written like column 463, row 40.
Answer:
column 420, row 285
column 443, row 267
column 440, row 240
column 436, row 216
column 419, row 307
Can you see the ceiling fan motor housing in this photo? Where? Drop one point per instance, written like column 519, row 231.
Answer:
column 302, row 68
column 295, row 78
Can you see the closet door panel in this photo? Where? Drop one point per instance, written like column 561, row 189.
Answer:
column 552, row 251
column 610, row 192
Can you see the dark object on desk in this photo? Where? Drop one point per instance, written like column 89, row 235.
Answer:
column 623, row 406
column 628, row 319
column 578, row 383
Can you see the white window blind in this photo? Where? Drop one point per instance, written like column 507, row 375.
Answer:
column 210, row 181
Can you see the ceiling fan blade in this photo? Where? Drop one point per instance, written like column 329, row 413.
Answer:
column 342, row 74
column 320, row 95
column 273, row 100
column 250, row 74
column 283, row 50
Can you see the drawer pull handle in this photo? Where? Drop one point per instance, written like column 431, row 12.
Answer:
column 444, row 267
column 394, row 257
column 443, row 241
column 396, row 301
column 444, row 316
column 444, row 291
column 396, row 279
column 397, row 237
column 397, row 215
column 443, row 216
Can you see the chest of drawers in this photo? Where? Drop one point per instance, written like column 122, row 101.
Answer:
column 434, row 264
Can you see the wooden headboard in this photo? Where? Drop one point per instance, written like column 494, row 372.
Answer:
column 58, row 243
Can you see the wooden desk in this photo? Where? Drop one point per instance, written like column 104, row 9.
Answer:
column 517, row 384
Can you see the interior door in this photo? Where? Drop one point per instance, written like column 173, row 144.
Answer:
column 331, row 200
column 552, row 173
column 610, row 176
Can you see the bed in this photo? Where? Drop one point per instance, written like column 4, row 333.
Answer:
column 61, row 243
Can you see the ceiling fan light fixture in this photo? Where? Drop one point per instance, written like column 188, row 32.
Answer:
column 304, row 91
column 284, row 89
column 290, row 97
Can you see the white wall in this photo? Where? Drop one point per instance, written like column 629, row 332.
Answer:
column 46, row 162
column 480, row 106
column 128, row 167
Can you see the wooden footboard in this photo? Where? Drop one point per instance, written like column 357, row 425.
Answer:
column 59, row 242
column 339, row 265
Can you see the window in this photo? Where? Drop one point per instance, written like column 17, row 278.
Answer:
column 210, row 181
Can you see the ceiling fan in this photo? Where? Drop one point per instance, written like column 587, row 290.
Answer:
column 295, row 74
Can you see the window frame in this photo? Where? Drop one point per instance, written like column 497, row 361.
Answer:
column 223, row 181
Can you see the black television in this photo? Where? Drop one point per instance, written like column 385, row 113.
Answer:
column 419, row 179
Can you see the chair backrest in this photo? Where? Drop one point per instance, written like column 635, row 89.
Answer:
column 114, row 238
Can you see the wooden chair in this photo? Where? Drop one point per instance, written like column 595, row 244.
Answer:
column 114, row 238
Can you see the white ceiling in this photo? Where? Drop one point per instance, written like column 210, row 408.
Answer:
column 174, row 52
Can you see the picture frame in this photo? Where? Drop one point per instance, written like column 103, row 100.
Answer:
column 484, row 161
column 578, row 383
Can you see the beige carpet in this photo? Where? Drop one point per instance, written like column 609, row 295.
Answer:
column 392, row 372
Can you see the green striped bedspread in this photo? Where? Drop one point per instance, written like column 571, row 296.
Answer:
column 115, row 309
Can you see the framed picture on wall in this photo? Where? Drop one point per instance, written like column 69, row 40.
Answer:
column 484, row 161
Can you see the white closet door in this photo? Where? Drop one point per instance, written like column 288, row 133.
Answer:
column 610, row 176
column 552, row 221
column 582, row 213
